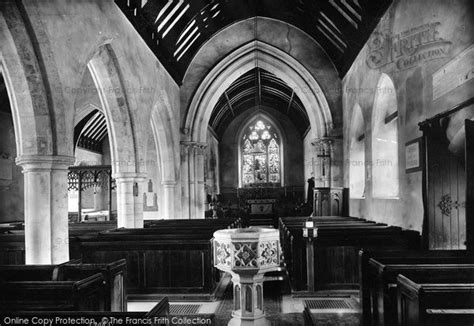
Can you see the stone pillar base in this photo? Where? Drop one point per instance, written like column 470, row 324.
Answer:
column 237, row 321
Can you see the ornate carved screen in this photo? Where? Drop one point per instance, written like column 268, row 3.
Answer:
column 98, row 177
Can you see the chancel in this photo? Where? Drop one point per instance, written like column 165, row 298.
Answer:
column 133, row 131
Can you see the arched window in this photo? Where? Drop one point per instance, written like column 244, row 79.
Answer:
column 260, row 149
column 357, row 154
column 385, row 182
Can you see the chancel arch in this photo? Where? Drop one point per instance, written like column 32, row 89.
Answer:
column 260, row 57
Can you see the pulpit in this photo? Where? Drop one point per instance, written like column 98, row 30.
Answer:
column 330, row 201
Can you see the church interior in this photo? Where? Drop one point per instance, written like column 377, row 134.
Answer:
column 237, row 162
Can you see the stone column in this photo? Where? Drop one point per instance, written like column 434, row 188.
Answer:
column 185, row 182
column 323, row 148
column 130, row 188
column 46, row 208
column 193, row 178
column 200, row 186
column 168, row 200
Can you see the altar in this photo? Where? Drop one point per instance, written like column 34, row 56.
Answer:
column 261, row 206
column 260, row 200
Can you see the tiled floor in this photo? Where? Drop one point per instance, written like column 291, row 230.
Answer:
column 281, row 309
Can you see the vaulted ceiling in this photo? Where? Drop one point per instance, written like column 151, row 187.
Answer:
column 175, row 29
column 258, row 88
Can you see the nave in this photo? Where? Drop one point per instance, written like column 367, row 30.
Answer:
column 353, row 272
column 258, row 162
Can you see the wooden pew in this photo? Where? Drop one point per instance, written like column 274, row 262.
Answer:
column 12, row 241
column 336, row 249
column 445, row 301
column 85, row 294
column 224, row 222
column 114, row 275
column 397, row 256
column 161, row 309
column 383, row 272
column 160, row 261
column 12, row 248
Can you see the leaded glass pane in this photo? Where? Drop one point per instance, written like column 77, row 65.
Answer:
column 260, row 150
column 248, row 179
column 247, row 146
column 273, row 146
column 248, row 164
column 274, row 163
column 274, row 178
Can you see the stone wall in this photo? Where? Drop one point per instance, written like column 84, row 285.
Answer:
column 426, row 35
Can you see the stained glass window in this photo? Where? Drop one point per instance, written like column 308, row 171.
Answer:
column 260, row 148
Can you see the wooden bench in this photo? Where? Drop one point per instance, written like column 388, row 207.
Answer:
column 445, row 301
column 160, row 261
column 12, row 248
column 161, row 309
column 86, row 294
column 336, row 249
column 397, row 256
column 383, row 273
column 114, row 275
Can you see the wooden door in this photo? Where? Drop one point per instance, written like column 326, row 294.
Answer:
column 469, row 126
column 446, row 197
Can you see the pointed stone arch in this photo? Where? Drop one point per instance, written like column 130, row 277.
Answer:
column 107, row 78
column 105, row 72
column 44, row 161
column 27, row 96
column 228, row 70
column 161, row 124
column 241, row 61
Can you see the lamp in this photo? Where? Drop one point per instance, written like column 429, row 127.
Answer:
column 309, row 230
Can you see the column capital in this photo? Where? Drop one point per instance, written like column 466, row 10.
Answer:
column 129, row 177
column 322, row 141
column 37, row 163
column 168, row 183
column 198, row 147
